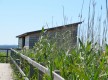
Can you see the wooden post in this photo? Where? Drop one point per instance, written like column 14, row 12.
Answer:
column 40, row 73
column 31, row 72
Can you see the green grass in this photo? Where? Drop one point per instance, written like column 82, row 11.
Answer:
column 2, row 59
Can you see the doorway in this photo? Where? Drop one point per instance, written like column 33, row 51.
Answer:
column 23, row 41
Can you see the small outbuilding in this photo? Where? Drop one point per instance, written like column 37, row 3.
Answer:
column 29, row 39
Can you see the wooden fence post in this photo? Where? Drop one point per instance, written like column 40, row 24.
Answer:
column 31, row 72
column 40, row 73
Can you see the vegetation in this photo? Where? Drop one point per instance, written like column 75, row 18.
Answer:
column 16, row 75
column 2, row 59
column 87, row 61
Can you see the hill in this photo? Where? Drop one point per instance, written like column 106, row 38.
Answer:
column 8, row 46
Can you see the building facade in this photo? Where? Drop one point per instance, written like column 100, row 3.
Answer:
column 29, row 39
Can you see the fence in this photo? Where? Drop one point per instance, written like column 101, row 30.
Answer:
column 5, row 50
column 23, row 63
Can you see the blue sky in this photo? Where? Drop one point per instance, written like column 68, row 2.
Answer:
column 20, row 16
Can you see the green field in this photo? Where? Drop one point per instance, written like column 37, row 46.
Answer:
column 2, row 59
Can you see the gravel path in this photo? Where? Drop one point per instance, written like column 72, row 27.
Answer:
column 5, row 71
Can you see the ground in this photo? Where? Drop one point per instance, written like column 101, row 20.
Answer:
column 5, row 71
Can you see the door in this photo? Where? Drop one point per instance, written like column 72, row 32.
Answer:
column 23, row 41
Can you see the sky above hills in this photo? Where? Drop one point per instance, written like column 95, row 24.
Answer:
column 20, row 16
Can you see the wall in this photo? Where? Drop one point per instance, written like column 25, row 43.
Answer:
column 27, row 41
column 33, row 39
column 19, row 42
column 71, row 36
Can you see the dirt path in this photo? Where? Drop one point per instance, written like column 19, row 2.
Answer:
column 5, row 71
